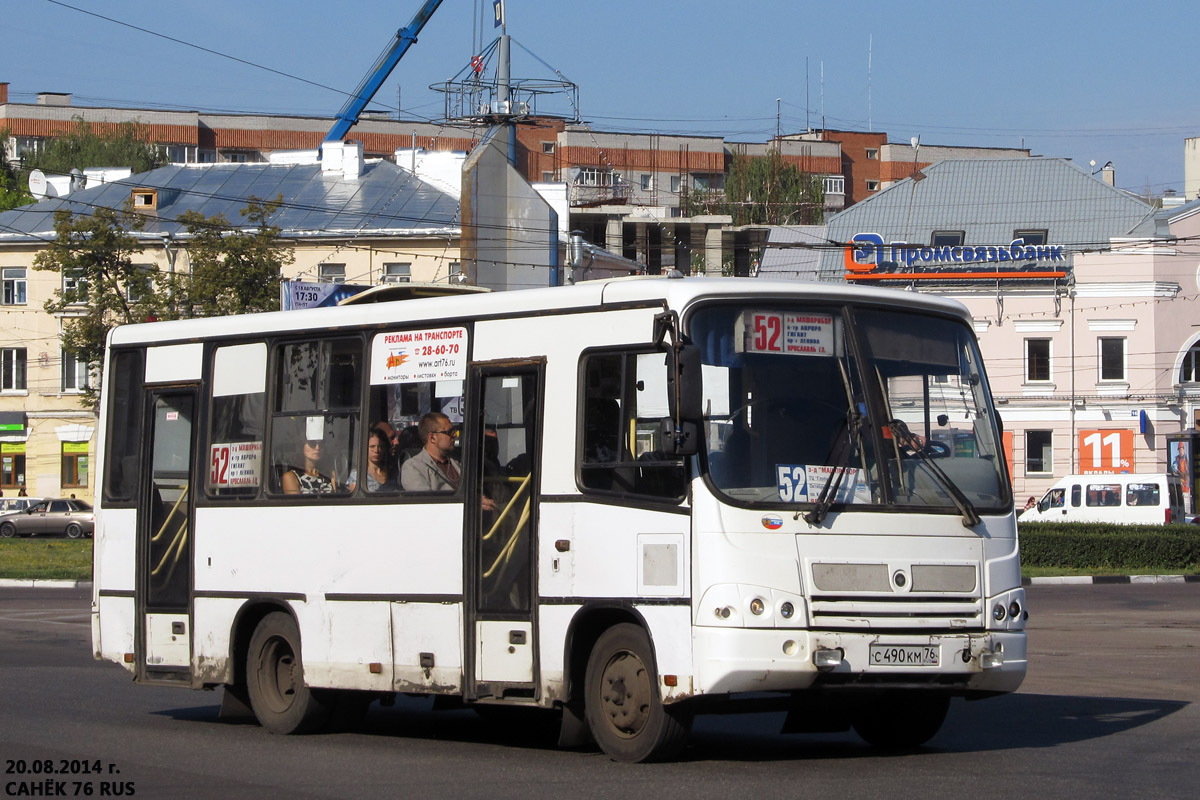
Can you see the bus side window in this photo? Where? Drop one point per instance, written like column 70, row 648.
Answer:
column 237, row 429
column 623, row 400
column 1076, row 495
column 127, row 376
column 315, row 431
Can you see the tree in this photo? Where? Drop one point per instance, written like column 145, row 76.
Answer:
column 234, row 270
column 763, row 190
column 127, row 145
column 101, row 286
column 12, row 194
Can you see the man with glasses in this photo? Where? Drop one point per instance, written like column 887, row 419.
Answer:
column 433, row 469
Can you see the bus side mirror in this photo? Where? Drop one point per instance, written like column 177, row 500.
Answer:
column 683, row 383
column 680, row 432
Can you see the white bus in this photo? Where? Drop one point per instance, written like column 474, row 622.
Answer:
column 671, row 496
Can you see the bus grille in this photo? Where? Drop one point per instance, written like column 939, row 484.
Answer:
column 903, row 612
column 896, row 596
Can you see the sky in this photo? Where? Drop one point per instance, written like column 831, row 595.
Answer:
column 1088, row 81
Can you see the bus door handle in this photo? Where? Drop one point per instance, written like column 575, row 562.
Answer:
column 516, row 637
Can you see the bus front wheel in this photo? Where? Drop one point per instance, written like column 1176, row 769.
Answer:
column 275, row 679
column 902, row 721
column 625, row 712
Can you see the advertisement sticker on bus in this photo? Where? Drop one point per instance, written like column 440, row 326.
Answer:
column 436, row 354
column 787, row 333
column 234, row 463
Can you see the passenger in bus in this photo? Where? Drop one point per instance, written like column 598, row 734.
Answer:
column 434, row 468
column 309, row 479
column 381, row 477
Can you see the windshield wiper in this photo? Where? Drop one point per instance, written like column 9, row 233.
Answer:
column 843, row 450
column 904, row 437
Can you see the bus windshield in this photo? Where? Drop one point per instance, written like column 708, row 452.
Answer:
column 889, row 408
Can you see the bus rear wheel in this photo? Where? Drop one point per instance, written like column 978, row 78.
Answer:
column 275, row 679
column 625, row 712
column 902, row 721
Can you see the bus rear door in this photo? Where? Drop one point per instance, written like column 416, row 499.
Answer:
column 164, row 538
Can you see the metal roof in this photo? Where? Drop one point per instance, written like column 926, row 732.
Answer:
column 989, row 199
column 384, row 201
column 800, row 256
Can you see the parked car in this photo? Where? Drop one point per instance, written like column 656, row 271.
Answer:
column 56, row 516
column 8, row 504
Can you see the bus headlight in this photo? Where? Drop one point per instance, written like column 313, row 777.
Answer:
column 757, row 606
column 786, row 610
column 998, row 612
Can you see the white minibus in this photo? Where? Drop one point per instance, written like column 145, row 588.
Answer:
column 1126, row 498
column 667, row 497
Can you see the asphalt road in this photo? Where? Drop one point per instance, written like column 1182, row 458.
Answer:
column 1108, row 710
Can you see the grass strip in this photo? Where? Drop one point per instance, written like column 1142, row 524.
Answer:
column 46, row 559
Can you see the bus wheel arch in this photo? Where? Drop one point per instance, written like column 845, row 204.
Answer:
column 622, row 703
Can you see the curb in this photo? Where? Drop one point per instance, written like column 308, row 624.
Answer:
column 12, row 583
column 1074, row 580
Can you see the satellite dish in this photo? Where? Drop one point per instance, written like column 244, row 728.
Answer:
column 37, row 183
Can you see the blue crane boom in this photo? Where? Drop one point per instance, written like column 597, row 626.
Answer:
column 379, row 72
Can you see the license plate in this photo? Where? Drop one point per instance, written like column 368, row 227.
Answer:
column 904, row 655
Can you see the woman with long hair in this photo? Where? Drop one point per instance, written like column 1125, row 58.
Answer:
column 379, row 456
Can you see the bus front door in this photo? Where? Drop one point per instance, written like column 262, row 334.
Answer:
column 164, row 541
column 502, row 496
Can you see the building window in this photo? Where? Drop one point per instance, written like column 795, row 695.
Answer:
column 12, row 369
column 75, row 373
column 1032, row 236
column 872, row 186
column 834, row 184
column 1190, row 371
column 872, row 154
column 74, row 286
column 14, row 286
column 75, row 465
column 548, row 176
column 399, row 272
column 455, row 269
column 705, row 183
column 1112, row 359
column 1038, row 453
column 140, row 282
column 675, row 184
column 12, row 465
column 647, row 183
column 332, row 273
column 547, row 147
column 1037, row 360
column 947, row 238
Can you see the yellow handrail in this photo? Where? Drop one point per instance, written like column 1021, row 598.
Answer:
column 183, row 497
column 506, row 553
column 503, row 514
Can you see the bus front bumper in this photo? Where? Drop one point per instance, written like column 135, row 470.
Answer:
column 732, row 660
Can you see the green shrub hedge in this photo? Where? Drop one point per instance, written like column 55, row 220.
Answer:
column 1134, row 548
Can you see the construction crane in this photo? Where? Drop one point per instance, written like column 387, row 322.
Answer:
column 379, row 72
